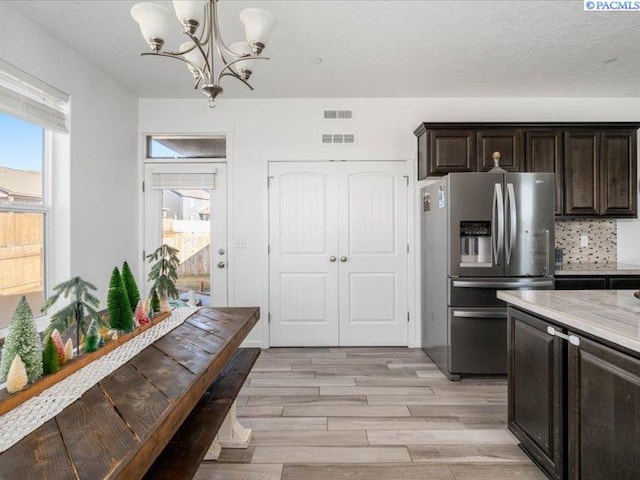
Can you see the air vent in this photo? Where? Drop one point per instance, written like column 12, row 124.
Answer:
column 338, row 114
column 339, row 138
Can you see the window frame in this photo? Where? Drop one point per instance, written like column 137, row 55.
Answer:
column 45, row 208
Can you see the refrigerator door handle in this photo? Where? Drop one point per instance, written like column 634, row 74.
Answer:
column 497, row 222
column 513, row 220
column 478, row 314
column 503, row 285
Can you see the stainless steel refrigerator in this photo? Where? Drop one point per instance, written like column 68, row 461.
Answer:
column 481, row 232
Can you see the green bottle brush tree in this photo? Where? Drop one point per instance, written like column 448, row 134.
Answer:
column 164, row 272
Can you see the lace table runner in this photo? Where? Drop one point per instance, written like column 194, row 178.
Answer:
column 35, row 412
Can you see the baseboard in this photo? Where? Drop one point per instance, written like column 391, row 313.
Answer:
column 251, row 344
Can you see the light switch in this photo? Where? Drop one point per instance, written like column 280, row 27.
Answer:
column 584, row 240
column 241, row 242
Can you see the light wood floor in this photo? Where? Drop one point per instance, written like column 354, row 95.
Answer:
column 369, row 414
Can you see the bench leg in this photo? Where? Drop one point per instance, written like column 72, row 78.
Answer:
column 231, row 435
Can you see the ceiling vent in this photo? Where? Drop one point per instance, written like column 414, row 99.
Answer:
column 338, row 114
column 339, row 138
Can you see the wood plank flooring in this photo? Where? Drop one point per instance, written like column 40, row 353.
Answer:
column 369, row 413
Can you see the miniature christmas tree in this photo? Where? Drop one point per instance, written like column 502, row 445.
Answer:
column 164, row 273
column 120, row 314
column 57, row 341
column 155, row 302
column 68, row 350
column 92, row 342
column 50, row 357
column 22, row 339
column 17, row 377
column 83, row 302
column 140, row 314
column 130, row 285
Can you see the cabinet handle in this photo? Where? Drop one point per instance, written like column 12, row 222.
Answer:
column 572, row 339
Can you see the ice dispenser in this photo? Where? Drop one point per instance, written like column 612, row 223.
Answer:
column 475, row 244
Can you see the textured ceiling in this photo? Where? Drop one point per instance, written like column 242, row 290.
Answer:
column 379, row 48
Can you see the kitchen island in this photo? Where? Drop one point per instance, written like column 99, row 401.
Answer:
column 574, row 381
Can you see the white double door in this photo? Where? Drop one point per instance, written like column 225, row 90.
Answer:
column 338, row 253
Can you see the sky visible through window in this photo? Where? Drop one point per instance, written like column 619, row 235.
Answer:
column 20, row 144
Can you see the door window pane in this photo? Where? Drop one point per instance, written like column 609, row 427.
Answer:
column 186, row 226
column 21, row 262
column 21, row 160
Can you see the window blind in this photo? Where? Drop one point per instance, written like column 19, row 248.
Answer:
column 184, row 181
column 32, row 100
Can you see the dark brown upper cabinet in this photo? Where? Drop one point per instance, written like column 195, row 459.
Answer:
column 618, row 170
column 544, row 154
column 595, row 163
column 451, row 151
column 508, row 142
column 582, row 172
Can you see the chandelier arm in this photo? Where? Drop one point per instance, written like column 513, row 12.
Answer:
column 200, row 47
column 177, row 56
column 220, row 42
column 237, row 77
column 230, row 64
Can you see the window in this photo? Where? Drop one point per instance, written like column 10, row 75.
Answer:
column 32, row 114
column 186, row 147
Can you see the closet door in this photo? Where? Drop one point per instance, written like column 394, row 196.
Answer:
column 303, row 265
column 372, row 218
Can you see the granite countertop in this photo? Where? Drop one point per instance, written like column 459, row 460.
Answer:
column 597, row 269
column 613, row 315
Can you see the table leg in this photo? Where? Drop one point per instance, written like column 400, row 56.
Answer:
column 231, row 435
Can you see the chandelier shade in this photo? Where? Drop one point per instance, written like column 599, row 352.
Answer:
column 207, row 56
column 153, row 20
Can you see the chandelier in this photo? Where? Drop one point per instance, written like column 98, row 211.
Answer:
column 207, row 56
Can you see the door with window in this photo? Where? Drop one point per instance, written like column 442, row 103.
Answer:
column 338, row 253
column 186, row 208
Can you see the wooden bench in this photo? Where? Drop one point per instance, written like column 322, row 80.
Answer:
column 119, row 427
column 182, row 456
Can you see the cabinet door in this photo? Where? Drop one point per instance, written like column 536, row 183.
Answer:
column 535, row 411
column 624, row 283
column 581, row 283
column 582, row 172
column 619, row 182
column 451, row 151
column 603, row 413
column 510, row 145
column 423, row 167
column 544, row 154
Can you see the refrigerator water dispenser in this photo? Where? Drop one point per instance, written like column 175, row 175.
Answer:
column 475, row 244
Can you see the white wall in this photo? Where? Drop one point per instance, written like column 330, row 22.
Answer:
column 96, row 195
column 290, row 129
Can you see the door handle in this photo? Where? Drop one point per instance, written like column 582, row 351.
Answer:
column 513, row 219
column 332, row 258
column 221, row 264
column 478, row 314
column 497, row 222
column 505, row 285
column 343, row 259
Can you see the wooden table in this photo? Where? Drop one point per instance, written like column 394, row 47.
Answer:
column 119, row 427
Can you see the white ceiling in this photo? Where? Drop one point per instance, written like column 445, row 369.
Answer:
column 379, row 48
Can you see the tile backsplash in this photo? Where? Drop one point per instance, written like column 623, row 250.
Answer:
column 603, row 240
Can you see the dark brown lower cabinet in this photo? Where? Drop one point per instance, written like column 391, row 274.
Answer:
column 536, row 396
column 603, row 413
column 574, row 403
